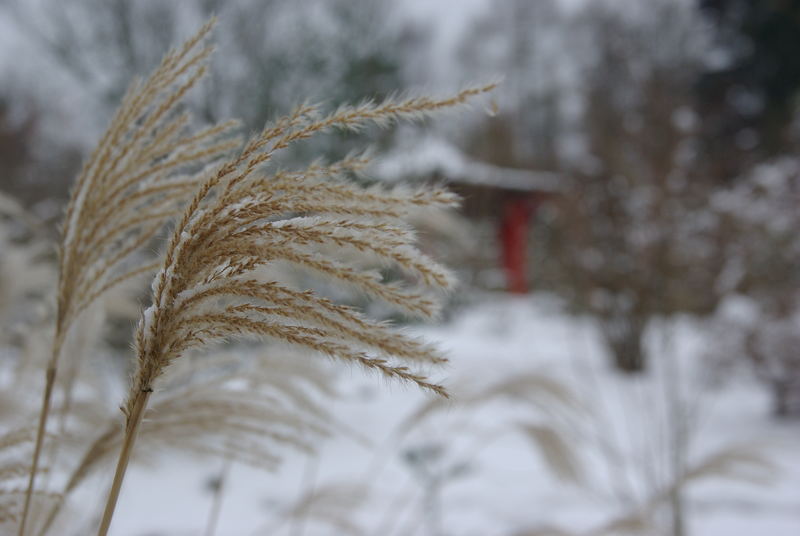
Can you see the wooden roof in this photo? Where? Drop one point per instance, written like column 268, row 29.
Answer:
column 434, row 157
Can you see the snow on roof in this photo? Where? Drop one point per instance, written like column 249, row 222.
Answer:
column 436, row 157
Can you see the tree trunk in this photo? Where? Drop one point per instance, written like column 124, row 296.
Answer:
column 786, row 399
column 780, row 399
column 676, row 507
column 624, row 339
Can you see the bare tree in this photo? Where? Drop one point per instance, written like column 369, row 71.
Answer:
column 279, row 51
column 631, row 236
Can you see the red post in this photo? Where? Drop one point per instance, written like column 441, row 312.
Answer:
column 516, row 215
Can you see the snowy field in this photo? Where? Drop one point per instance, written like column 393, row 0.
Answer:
column 471, row 471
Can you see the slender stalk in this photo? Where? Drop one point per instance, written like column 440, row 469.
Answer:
column 679, row 441
column 94, row 453
column 131, row 430
column 216, row 505
column 44, row 412
column 309, row 476
column 51, row 516
column 51, row 451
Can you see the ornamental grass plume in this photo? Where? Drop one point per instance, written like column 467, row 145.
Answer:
column 243, row 216
column 143, row 170
column 232, row 215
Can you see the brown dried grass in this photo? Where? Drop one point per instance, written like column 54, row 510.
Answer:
column 230, row 217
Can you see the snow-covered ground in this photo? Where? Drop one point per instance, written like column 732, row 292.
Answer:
column 617, row 429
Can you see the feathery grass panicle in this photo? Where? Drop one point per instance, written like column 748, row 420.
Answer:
column 131, row 186
column 142, row 171
column 243, row 217
column 11, row 501
column 231, row 217
column 16, row 445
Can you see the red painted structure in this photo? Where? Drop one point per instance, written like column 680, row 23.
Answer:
column 507, row 197
column 514, row 222
column 517, row 212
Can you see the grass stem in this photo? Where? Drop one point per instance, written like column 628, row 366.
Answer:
column 44, row 412
column 131, row 430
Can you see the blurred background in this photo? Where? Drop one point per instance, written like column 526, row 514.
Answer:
column 626, row 338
